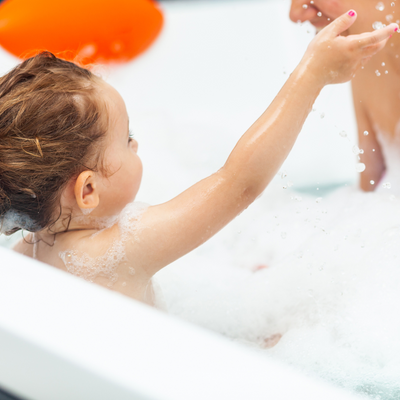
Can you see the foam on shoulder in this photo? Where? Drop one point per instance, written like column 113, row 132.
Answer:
column 89, row 267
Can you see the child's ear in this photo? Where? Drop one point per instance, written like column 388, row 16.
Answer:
column 86, row 191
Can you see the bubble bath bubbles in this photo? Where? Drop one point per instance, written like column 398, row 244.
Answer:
column 89, row 267
column 82, row 265
column 360, row 167
column 378, row 25
column 13, row 219
column 330, row 288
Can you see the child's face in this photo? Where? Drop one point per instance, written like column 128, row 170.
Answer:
column 122, row 163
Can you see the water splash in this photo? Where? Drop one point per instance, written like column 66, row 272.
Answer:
column 360, row 167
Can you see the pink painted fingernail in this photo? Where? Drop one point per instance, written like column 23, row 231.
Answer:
column 390, row 36
column 396, row 29
column 352, row 13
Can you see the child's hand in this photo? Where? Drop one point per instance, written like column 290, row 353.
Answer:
column 334, row 58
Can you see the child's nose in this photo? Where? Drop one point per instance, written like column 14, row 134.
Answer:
column 302, row 10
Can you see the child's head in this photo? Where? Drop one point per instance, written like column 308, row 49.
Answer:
column 55, row 120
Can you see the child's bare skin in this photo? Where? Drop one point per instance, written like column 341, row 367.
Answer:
column 375, row 97
column 170, row 230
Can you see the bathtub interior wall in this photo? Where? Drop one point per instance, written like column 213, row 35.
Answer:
column 90, row 343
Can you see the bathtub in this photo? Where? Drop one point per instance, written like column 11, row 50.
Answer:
column 212, row 72
column 63, row 338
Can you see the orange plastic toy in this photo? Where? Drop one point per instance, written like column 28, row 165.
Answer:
column 87, row 30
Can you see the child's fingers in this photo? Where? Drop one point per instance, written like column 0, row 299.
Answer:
column 371, row 50
column 372, row 38
column 365, row 60
column 341, row 23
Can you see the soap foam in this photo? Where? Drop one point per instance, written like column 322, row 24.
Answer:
column 331, row 288
column 83, row 265
column 13, row 219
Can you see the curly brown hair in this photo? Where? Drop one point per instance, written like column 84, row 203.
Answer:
column 50, row 118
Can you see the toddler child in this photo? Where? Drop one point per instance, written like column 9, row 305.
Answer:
column 69, row 170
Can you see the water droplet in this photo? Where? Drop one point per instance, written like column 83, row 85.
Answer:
column 383, row 64
column 389, row 18
column 366, row 133
column 387, row 185
column 377, row 73
column 319, row 14
column 131, row 271
column 283, row 175
column 373, row 149
column 305, row 6
column 392, row 3
column 322, row 115
column 290, row 184
column 355, row 150
column 360, row 167
column 386, row 72
column 299, row 254
column 372, row 182
column 380, row 6
column 283, row 235
column 318, row 199
column 343, row 134
column 123, row 283
column 311, row 2
column 377, row 25
column 361, row 151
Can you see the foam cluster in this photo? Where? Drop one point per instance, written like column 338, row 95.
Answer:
column 330, row 289
column 13, row 219
column 84, row 265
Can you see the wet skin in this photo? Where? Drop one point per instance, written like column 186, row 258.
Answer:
column 170, row 230
column 376, row 98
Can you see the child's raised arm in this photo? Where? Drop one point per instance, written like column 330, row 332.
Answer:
column 173, row 229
